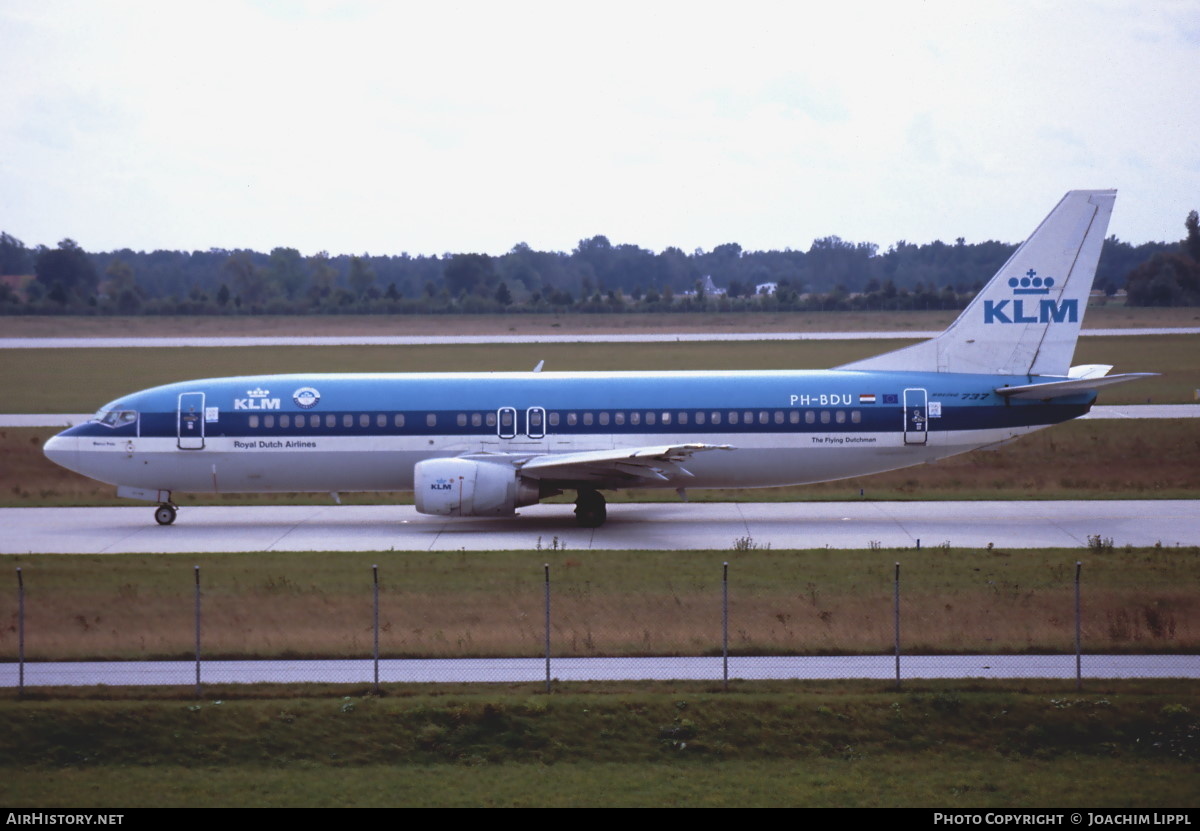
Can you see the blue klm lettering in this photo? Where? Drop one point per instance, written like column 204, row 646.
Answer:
column 1048, row 311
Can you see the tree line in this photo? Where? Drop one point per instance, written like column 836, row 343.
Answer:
column 597, row 276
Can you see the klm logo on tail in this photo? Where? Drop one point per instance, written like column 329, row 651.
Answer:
column 1045, row 310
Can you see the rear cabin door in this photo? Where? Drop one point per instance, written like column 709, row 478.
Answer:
column 190, row 421
column 916, row 416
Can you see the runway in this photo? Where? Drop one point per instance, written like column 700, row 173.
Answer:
column 533, row 670
column 669, row 526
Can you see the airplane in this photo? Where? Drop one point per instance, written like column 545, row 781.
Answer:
column 483, row 444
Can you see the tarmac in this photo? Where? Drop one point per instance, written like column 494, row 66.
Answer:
column 663, row 526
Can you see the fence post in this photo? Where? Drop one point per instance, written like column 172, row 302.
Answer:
column 1078, row 633
column 375, row 624
column 20, row 634
column 725, row 625
column 546, row 567
column 197, row 572
column 897, row 623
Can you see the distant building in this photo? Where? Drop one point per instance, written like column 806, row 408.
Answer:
column 766, row 288
column 710, row 289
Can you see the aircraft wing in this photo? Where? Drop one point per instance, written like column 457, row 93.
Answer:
column 626, row 466
column 1072, row 386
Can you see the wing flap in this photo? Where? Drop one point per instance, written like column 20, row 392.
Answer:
column 662, row 463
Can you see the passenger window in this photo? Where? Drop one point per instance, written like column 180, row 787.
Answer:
column 763, row 416
column 716, row 417
column 330, row 420
column 506, row 419
column 841, row 416
column 347, row 420
column 824, row 416
column 314, row 421
column 461, row 419
column 587, row 419
column 254, row 422
column 572, row 419
column 779, row 416
column 431, row 420
column 285, row 420
column 553, row 419
column 810, row 417
column 604, row 418
column 364, row 420
column 650, row 418
column 635, row 418
column 747, row 417
column 398, row 420
column 856, row 416
column 700, row 418
column 476, row 419
column 666, row 418
column 683, row 418
column 619, row 418
column 733, row 417
column 794, row 417
column 491, row 419
column 268, row 421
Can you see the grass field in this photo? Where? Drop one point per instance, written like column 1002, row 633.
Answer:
column 945, row 745
column 1121, row 745
column 489, row 604
column 1107, row 316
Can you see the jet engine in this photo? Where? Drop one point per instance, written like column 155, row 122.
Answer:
column 464, row 487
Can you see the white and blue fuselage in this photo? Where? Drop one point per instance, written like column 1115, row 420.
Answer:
column 368, row 432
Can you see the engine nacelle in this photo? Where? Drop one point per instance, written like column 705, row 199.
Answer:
column 463, row 487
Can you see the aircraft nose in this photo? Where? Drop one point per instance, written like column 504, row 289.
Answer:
column 62, row 451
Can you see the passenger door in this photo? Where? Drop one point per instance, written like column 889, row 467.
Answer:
column 190, row 421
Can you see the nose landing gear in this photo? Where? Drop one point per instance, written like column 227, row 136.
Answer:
column 164, row 514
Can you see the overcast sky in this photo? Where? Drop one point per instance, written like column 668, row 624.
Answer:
column 426, row 127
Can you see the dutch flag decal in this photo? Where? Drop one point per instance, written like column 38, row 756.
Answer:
column 869, row 398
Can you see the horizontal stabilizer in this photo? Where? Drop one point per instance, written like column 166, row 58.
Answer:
column 1072, row 386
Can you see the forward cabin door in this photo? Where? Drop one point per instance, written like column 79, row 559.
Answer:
column 916, row 416
column 190, row 421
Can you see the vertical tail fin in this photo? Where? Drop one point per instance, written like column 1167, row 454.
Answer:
column 1027, row 318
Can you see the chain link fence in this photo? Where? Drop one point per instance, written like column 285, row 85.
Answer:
column 475, row 620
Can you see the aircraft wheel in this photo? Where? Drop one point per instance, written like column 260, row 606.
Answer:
column 590, row 511
column 164, row 514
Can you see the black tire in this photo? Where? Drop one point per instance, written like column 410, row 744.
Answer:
column 164, row 514
column 590, row 509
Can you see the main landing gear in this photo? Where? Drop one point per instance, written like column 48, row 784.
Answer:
column 164, row 514
column 589, row 509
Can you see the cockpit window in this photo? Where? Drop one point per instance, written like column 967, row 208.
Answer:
column 115, row 418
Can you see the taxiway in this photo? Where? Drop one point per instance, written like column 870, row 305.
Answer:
column 631, row 526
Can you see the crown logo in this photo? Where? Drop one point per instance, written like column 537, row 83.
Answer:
column 258, row 393
column 1031, row 283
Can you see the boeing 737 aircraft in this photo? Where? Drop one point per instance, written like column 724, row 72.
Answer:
column 485, row 444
